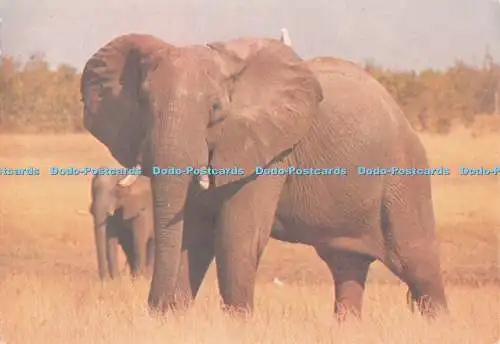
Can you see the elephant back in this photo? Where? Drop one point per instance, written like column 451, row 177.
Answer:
column 322, row 66
column 337, row 74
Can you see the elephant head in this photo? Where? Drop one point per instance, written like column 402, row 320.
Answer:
column 240, row 103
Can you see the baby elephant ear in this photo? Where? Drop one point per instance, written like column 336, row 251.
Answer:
column 273, row 104
column 135, row 197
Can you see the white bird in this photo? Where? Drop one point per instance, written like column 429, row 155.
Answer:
column 277, row 282
column 285, row 38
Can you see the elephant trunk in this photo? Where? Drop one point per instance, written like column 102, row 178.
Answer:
column 102, row 206
column 100, row 243
column 169, row 196
column 170, row 193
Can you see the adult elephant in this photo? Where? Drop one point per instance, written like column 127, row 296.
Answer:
column 121, row 208
column 251, row 103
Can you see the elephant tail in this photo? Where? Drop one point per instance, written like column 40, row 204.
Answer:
column 410, row 300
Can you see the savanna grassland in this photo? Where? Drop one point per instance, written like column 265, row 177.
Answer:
column 49, row 291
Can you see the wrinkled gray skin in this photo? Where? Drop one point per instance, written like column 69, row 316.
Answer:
column 253, row 102
column 122, row 216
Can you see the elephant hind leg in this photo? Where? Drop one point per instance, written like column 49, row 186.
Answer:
column 412, row 249
column 197, row 254
column 425, row 285
column 349, row 271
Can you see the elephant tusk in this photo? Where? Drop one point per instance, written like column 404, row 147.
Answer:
column 129, row 179
column 204, row 181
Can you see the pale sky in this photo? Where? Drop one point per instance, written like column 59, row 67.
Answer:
column 400, row 34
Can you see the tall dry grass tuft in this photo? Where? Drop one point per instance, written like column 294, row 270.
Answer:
column 75, row 309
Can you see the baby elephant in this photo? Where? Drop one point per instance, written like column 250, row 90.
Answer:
column 122, row 210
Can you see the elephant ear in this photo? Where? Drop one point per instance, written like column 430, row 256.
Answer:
column 112, row 93
column 136, row 198
column 274, row 101
column 103, row 201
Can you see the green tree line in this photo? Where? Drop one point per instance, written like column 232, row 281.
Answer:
column 36, row 98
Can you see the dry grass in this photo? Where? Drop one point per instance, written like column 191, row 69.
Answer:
column 50, row 293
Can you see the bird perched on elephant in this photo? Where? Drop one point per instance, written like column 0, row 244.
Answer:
column 122, row 213
column 245, row 107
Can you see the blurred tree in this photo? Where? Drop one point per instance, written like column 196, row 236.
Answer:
column 34, row 97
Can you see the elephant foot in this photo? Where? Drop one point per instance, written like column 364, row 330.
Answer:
column 107, row 277
column 139, row 278
column 344, row 313
column 139, row 275
column 160, row 307
column 163, row 306
column 239, row 313
column 103, row 277
column 426, row 306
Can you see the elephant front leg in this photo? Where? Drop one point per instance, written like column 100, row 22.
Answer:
column 112, row 253
column 197, row 254
column 101, row 250
column 242, row 232
column 150, row 256
column 140, row 240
